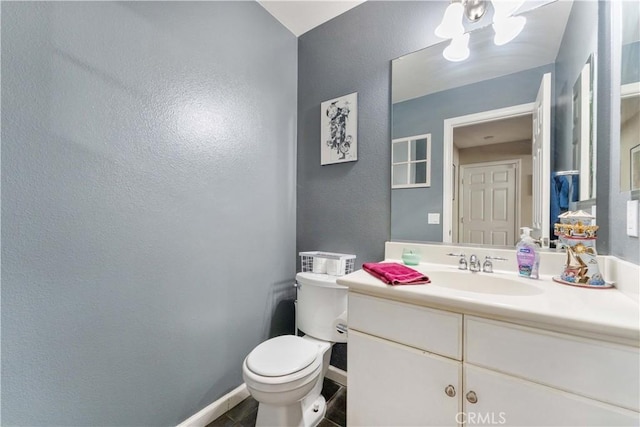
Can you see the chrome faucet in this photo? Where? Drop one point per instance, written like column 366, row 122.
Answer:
column 462, row 263
column 474, row 263
column 487, row 266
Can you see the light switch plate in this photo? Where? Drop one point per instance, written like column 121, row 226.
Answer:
column 434, row 218
column 632, row 218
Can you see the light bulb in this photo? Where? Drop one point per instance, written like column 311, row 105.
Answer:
column 458, row 49
column 508, row 29
column 451, row 25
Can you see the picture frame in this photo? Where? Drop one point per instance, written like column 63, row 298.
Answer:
column 634, row 166
column 339, row 130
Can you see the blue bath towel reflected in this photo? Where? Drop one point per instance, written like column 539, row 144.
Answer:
column 564, row 189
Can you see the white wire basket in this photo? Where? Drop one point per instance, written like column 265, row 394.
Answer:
column 330, row 263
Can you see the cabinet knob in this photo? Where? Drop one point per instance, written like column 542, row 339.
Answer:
column 472, row 397
column 450, row 390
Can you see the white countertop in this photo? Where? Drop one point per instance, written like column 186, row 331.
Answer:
column 605, row 314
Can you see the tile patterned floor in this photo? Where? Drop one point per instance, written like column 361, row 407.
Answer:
column 244, row 414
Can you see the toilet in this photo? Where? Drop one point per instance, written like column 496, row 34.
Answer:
column 285, row 374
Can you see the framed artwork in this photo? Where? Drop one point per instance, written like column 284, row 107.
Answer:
column 635, row 168
column 339, row 130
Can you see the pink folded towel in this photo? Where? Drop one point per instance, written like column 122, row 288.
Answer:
column 393, row 273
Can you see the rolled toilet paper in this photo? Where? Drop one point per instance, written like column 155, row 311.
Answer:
column 335, row 267
column 319, row 265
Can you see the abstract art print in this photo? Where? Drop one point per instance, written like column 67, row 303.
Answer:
column 339, row 130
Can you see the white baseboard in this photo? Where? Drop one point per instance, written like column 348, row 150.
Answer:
column 206, row 415
column 337, row 375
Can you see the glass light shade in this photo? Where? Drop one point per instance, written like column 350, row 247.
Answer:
column 508, row 29
column 458, row 49
column 451, row 25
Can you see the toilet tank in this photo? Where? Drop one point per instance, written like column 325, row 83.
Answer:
column 321, row 307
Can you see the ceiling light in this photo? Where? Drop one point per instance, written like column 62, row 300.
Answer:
column 451, row 24
column 508, row 29
column 458, row 50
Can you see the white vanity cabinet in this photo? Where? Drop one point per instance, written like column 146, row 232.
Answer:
column 417, row 366
column 404, row 364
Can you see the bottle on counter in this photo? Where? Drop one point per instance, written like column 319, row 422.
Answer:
column 527, row 255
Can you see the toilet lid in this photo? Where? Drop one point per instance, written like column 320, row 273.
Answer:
column 282, row 355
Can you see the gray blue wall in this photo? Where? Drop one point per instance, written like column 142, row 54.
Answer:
column 409, row 207
column 346, row 207
column 148, row 205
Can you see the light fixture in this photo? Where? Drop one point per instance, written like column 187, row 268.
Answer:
column 508, row 29
column 458, row 50
column 451, row 24
column 506, row 26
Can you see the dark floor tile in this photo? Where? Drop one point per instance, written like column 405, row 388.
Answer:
column 245, row 413
column 222, row 421
column 249, row 420
column 243, row 410
column 337, row 408
column 329, row 389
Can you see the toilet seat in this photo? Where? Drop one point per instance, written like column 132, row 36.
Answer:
column 273, row 358
column 281, row 356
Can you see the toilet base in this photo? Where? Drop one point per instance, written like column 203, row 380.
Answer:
column 315, row 412
column 293, row 415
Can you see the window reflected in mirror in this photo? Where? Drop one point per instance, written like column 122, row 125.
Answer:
column 410, row 161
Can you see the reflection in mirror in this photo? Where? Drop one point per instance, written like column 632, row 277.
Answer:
column 584, row 147
column 494, row 141
column 630, row 98
column 410, row 162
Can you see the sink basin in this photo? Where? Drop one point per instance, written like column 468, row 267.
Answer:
column 483, row 283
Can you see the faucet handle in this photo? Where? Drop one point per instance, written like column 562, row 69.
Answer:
column 487, row 266
column 462, row 264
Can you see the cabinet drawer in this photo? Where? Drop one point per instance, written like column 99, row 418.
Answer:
column 435, row 331
column 599, row 370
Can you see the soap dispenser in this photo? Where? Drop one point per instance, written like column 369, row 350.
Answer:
column 527, row 255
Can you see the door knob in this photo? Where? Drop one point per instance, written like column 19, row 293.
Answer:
column 472, row 397
column 450, row 390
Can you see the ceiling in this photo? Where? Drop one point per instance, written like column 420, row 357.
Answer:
column 512, row 129
column 300, row 16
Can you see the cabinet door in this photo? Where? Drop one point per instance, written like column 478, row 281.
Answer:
column 395, row 385
column 506, row 400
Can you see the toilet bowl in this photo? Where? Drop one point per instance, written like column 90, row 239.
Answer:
column 285, row 374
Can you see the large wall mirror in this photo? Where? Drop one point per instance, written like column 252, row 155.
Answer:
column 512, row 128
column 630, row 98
